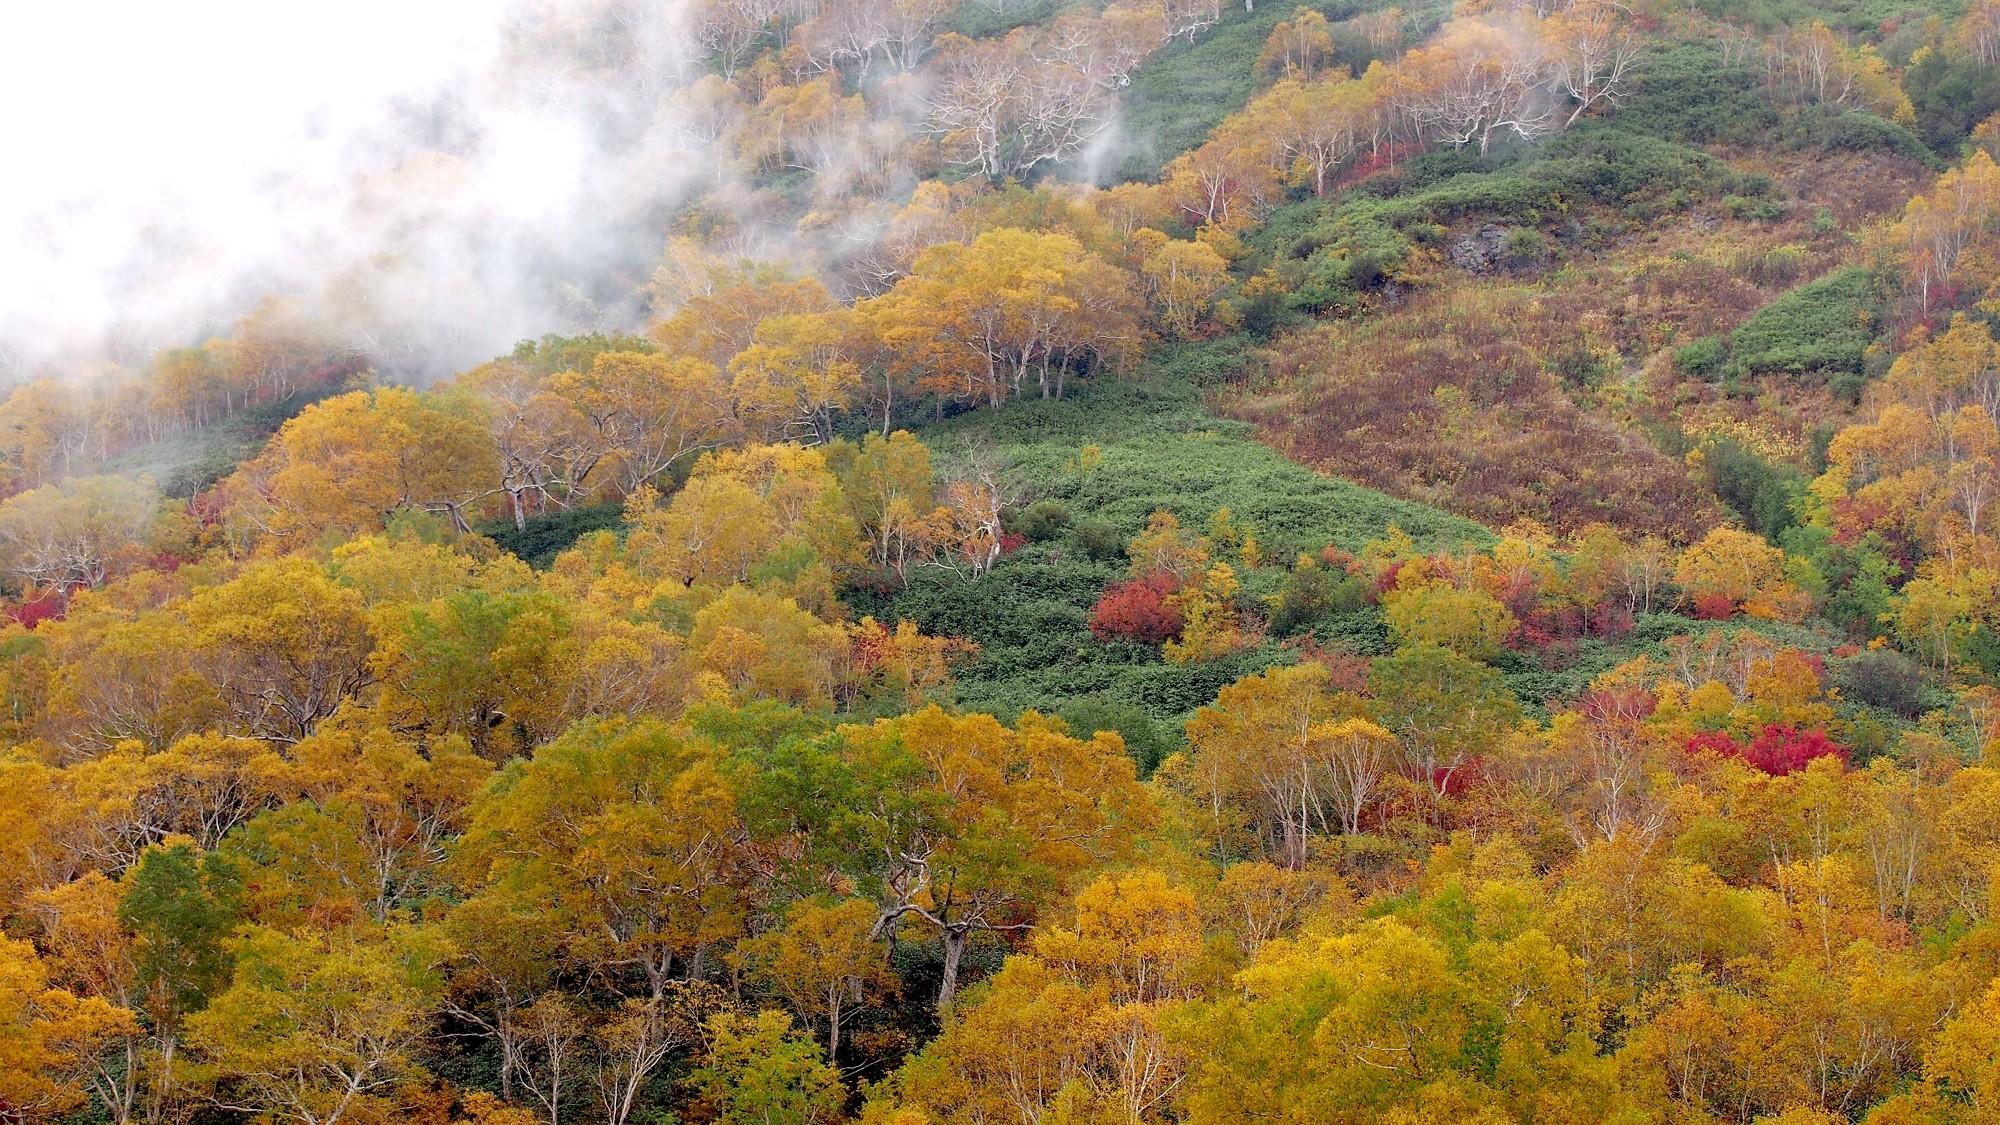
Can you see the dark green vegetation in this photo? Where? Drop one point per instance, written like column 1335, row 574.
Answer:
column 542, row 537
column 1951, row 97
column 987, row 20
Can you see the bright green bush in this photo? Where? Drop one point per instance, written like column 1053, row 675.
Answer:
column 1821, row 327
column 1703, row 358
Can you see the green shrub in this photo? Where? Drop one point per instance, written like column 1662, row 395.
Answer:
column 1852, row 16
column 1361, row 632
column 1684, row 93
column 1097, row 539
column 1143, row 737
column 1853, row 581
column 550, row 534
column 1823, row 327
column 1313, row 593
column 1525, row 246
column 1951, row 96
column 1825, row 128
column 1703, row 358
column 987, row 21
column 1042, row 521
column 1354, row 255
column 1760, row 491
column 1744, row 209
column 1884, row 678
column 1204, row 363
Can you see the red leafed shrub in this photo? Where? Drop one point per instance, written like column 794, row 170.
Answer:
column 869, row 648
column 1715, row 742
column 1521, row 597
column 1779, row 750
column 1461, row 780
column 1782, row 750
column 1610, row 621
column 34, row 611
column 205, row 508
column 1137, row 611
column 1386, row 581
column 1714, row 607
column 1012, row 541
column 1338, row 559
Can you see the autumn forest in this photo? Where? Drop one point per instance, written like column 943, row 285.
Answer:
column 1141, row 563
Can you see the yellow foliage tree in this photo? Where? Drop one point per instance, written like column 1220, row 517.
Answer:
column 1427, row 611
column 825, row 962
column 1742, row 570
column 1211, row 625
column 1182, row 279
column 49, row 1039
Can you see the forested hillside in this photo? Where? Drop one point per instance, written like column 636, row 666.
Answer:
column 1142, row 564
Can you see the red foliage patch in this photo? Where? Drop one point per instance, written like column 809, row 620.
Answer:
column 34, row 611
column 1137, row 611
column 1778, row 751
column 205, row 508
column 1011, row 541
column 1714, row 742
column 868, row 648
column 1387, row 580
column 1714, row 607
column 1339, row 560
column 1781, row 750
column 1460, row 781
column 1530, row 635
column 1521, row 597
column 1610, row 620
column 1625, row 705
column 1345, row 671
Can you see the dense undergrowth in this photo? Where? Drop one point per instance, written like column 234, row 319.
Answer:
column 1097, row 467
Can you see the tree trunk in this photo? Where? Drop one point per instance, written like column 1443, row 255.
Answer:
column 833, row 1023
column 955, row 940
column 156, row 1101
column 510, row 1059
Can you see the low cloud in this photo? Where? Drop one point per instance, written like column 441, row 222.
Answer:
column 437, row 179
